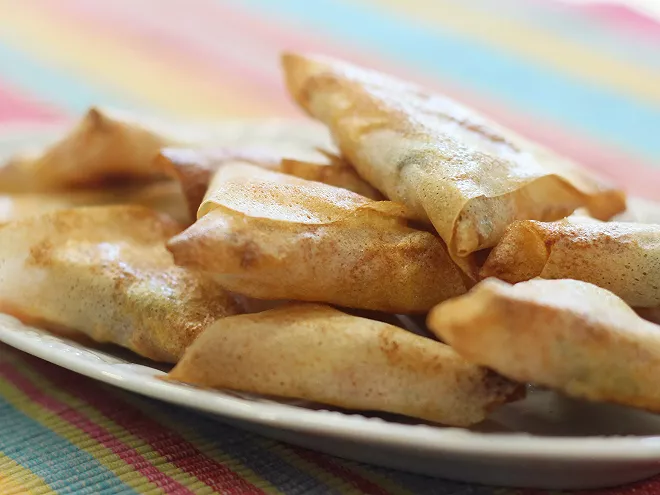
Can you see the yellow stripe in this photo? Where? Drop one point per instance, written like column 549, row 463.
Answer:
column 188, row 480
column 188, row 433
column 142, row 447
column 15, row 479
column 62, row 428
column 291, row 457
column 137, row 444
column 10, row 485
column 336, row 482
column 281, row 450
column 113, row 62
column 77, row 437
column 21, row 402
column 203, row 444
column 534, row 43
column 389, row 483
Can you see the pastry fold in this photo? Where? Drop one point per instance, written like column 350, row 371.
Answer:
column 194, row 168
column 316, row 353
column 621, row 257
column 104, row 272
column 103, row 147
column 568, row 335
column 450, row 166
column 270, row 235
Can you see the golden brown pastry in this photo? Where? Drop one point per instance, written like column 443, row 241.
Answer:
column 110, row 146
column 317, row 353
column 103, row 147
column 194, row 168
column 565, row 334
column 449, row 165
column 163, row 196
column 104, row 272
column 335, row 172
column 621, row 257
column 274, row 236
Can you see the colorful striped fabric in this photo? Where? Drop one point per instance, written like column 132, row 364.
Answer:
column 581, row 77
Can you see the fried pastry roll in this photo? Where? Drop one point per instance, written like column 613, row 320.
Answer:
column 568, row 335
column 270, row 235
column 104, row 272
column 450, row 166
column 317, row 353
column 621, row 257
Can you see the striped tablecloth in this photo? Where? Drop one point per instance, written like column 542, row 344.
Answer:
column 581, row 77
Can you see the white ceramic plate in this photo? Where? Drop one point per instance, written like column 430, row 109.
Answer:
column 545, row 441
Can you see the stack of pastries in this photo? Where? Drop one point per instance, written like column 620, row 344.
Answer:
column 291, row 267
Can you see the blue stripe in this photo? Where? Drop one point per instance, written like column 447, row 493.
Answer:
column 255, row 452
column 54, row 85
column 261, row 455
column 62, row 465
column 564, row 22
column 606, row 115
column 424, row 485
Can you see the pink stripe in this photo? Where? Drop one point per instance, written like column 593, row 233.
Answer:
column 166, row 442
column 329, row 464
column 190, row 45
column 632, row 173
column 15, row 107
column 266, row 38
column 610, row 14
column 134, row 421
column 97, row 432
column 621, row 17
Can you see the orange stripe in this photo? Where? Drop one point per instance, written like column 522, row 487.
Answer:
column 191, row 38
column 594, row 154
column 112, row 62
column 639, row 176
column 538, row 45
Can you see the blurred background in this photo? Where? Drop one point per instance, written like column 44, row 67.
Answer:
column 581, row 77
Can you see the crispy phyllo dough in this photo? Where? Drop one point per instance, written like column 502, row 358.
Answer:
column 317, row 353
column 621, row 257
column 466, row 175
column 194, row 168
column 163, row 196
column 104, row 147
column 112, row 146
column 568, row 335
column 335, row 172
column 274, row 236
column 104, row 272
